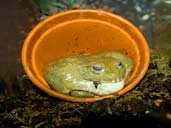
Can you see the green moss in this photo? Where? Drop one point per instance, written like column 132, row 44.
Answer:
column 134, row 94
column 49, row 7
column 160, row 66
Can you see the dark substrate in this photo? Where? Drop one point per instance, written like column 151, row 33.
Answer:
column 146, row 106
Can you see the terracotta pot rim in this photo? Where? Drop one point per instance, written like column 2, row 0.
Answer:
column 76, row 99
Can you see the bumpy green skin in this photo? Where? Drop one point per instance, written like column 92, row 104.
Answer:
column 89, row 75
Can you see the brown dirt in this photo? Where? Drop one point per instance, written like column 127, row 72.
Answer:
column 147, row 105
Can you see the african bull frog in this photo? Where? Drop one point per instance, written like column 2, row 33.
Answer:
column 89, row 75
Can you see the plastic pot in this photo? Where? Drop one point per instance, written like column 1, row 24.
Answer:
column 83, row 32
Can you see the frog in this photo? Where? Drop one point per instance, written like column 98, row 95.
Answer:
column 92, row 75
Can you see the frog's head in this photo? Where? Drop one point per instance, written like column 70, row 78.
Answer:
column 105, row 71
column 100, row 74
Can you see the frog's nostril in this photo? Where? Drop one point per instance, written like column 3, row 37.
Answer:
column 119, row 64
column 96, row 83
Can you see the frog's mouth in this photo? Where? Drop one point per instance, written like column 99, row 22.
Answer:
column 108, row 87
column 102, row 88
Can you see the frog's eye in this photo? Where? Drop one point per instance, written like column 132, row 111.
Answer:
column 97, row 68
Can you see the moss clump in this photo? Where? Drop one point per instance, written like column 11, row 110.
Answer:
column 160, row 66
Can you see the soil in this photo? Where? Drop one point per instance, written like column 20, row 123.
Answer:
column 22, row 105
column 147, row 105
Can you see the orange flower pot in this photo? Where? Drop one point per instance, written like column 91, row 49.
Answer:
column 83, row 31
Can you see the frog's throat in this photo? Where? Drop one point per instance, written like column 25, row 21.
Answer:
column 104, row 88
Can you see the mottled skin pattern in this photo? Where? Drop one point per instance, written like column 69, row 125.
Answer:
column 89, row 75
